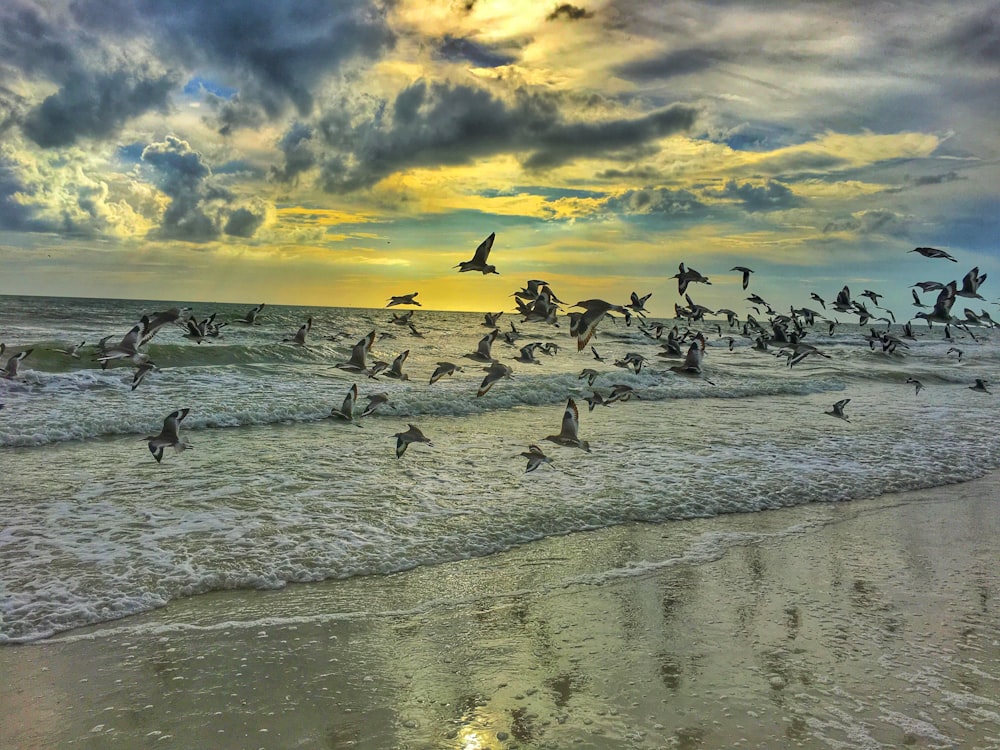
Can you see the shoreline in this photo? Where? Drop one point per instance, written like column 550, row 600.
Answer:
column 827, row 625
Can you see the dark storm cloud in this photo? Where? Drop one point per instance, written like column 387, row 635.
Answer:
column 430, row 124
column 95, row 105
column 298, row 147
column 199, row 211
column 14, row 214
column 767, row 197
column 276, row 53
column 568, row 11
column 457, row 48
column 974, row 37
column 243, row 223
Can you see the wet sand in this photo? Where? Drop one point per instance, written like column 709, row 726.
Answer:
column 854, row 625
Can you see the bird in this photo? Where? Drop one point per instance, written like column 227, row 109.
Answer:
column 568, row 434
column 838, row 409
column 527, row 354
column 141, row 371
column 168, row 435
column 596, row 399
column 478, row 262
column 583, row 325
column 442, row 369
column 942, row 306
column 916, row 300
column 128, row 347
column 494, row 372
column 10, row 369
column 686, row 276
column 918, row 386
column 746, row 274
column 980, row 386
column 490, row 319
column 412, row 435
column 404, row 299
column 376, row 400
column 590, row 374
column 970, row 284
column 72, row 351
column 482, row 353
column 597, row 356
column 299, row 339
column 638, row 304
column 250, row 318
column 535, row 458
column 346, row 411
column 359, row 355
column 395, row 370
column 813, row 295
column 932, row 252
column 691, row 367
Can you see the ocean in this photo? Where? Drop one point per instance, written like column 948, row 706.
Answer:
column 272, row 492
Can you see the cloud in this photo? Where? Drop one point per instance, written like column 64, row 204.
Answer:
column 480, row 55
column 299, row 151
column 656, row 201
column 673, row 63
column 874, row 221
column 199, row 211
column 433, row 124
column 95, row 105
column 768, row 196
column 570, row 12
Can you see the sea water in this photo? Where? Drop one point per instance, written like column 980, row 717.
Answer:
column 271, row 491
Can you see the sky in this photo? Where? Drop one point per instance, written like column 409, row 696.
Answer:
column 336, row 153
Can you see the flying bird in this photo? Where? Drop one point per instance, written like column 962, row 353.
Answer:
column 73, row 351
column 746, row 274
column 494, row 372
column 933, row 252
column 299, row 339
column 412, row 435
column 535, row 458
column 478, row 262
column 980, row 386
column 250, row 318
column 442, row 369
column 168, row 436
column 10, row 369
column 404, row 299
column 568, row 434
column 838, row 409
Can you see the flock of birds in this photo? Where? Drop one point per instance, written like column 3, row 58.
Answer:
column 537, row 303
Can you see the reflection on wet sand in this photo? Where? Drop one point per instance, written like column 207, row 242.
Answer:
column 808, row 625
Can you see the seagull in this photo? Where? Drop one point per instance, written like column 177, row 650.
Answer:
column 153, row 323
column 141, row 371
column 412, row 435
column 813, row 295
column 597, row 356
column 404, row 299
column 494, row 372
column 638, row 304
column 168, row 435
column 590, row 374
column 402, row 319
column 490, row 319
column 918, row 386
column 359, row 355
column 933, row 252
column 746, row 274
column 250, row 318
column 621, row 392
column 346, row 412
column 916, row 299
column 395, row 370
column 73, row 351
column 570, row 427
column 535, row 458
column 527, row 354
column 482, row 353
column 980, row 386
column 478, row 262
column 10, row 369
column 583, row 325
column 299, row 338
column 691, row 367
column 929, row 286
column 128, row 347
column 942, row 306
column 971, row 283
column 444, row 368
column 956, row 350
column 838, row 409
column 374, row 402
column 687, row 275
column 596, row 399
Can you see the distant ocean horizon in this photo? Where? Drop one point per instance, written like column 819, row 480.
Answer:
column 271, row 491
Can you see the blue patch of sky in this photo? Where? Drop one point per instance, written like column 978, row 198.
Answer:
column 198, row 84
column 130, row 153
column 440, row 231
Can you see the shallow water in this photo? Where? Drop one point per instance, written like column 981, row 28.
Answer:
column 93, row 529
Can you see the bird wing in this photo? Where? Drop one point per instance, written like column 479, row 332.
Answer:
column 483, row 251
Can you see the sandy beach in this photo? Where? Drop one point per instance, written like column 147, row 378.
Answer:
column 851, row 625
